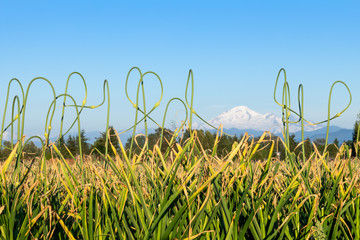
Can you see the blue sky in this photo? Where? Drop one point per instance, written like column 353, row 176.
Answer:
column 235, row 49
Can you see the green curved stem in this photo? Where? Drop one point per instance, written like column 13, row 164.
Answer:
column 305, row 120
column 163, row 123
column 286, row 109
column 301, row 111
column 13, row 119
column 286, row 113
column 43, row 162
column 6, row 103
column 338, row 114
column 78, row 121
column 25, row 102
column 191, row 105
column 136, row 104
column 105, row 89
column 64, row 102
column 32, row 137
column 107, row 116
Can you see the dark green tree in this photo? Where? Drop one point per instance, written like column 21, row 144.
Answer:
column 31, row 151
column 72, row 146
column 99, row 143
column 209, row 140
column 201, row 137
column 292, row 147
column 185, row 136
column 308, row 148
column 320, row 144
column 293, row 144
column 138, row 144
column 354, row 145
column 333, row 150
column 61, row 146
column 6, row 150
column 85, row 146
column 224, row 146
column 154, row 138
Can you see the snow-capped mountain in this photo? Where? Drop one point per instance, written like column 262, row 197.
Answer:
column 242, row 117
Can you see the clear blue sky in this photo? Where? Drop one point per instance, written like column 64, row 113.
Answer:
column 235, row 49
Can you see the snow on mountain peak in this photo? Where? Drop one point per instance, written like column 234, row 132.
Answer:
column 242, row 117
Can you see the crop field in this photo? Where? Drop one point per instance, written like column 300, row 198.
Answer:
column 181, row 191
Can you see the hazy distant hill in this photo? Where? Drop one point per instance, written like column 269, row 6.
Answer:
column 342, row 134
column 241, row 119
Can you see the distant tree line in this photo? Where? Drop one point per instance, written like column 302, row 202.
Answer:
column 206, row 141
column 69, row 146
column 30, row 150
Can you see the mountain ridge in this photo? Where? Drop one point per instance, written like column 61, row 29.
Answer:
column 242, row 117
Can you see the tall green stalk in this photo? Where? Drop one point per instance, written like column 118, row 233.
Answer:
column 136, row 104
column 286, row 109
column 5, row 107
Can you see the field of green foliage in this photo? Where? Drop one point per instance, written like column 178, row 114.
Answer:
column 177, row 188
